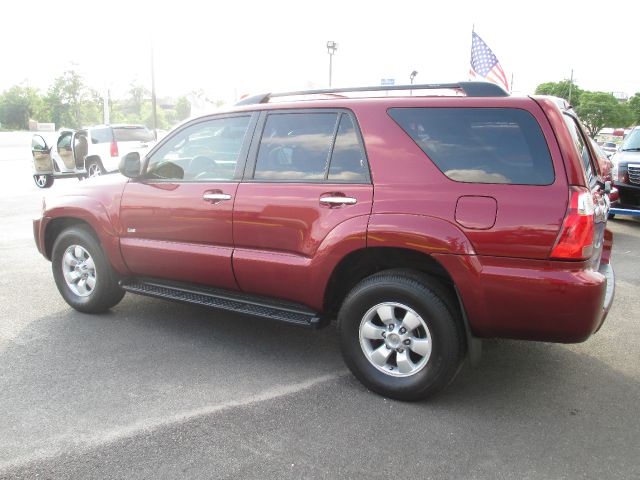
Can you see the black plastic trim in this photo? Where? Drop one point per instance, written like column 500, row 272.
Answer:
column 219, row 299
column 471, row 89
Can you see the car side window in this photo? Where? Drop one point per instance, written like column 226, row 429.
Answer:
column 295, row 146
column 348, row 162
column 480, row 145
column 581, row 146
column 101, row 135
column 205, row 151
column 310, row 147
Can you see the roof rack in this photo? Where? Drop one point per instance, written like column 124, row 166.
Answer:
column 471, row 89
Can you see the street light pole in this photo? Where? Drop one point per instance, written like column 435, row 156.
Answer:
column 411, row 77
column 331, row 49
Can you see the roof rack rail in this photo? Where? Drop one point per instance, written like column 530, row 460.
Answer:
column 471, row 89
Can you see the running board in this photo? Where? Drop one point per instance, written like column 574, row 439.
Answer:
column 283, row 311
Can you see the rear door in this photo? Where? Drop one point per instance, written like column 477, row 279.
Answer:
column 307, row 175
column 64, row 147
column 177, row 218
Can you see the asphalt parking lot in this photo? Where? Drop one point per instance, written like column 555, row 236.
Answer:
column 162, row 390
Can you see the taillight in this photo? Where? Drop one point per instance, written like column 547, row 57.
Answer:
column 575, row 241
column 114, row 149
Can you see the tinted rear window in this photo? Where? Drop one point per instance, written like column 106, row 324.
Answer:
column 101, row 135
column 480, row 145
column 133, row 134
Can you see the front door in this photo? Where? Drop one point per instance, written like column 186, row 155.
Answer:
column 307, row 177
column 177, row 219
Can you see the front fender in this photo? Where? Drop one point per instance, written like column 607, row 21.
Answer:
column 92, row 212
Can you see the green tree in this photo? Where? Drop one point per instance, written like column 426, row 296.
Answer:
column 561, row 89
column 634, row 109
column 137, row 95
column 183, row 108
column 18, row 104
column 599, row 109
column 71, row 103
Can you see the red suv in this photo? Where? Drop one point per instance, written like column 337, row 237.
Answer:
column 421, row 221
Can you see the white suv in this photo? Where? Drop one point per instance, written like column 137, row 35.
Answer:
column 107, row 143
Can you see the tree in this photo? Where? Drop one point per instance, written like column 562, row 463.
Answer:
column 137, row 94
column 18, row 105
column 71, row 103
column 599, row 109
column 183, row 108
column 561, row 89
column 634, row 109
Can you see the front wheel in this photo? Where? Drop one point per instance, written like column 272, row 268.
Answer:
column 399, row 337
column 82, row 273
column 43, row 181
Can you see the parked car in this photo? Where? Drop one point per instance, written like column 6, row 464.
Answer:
column 626, row 171
column 88, row 152
column 609, row 148
column 421, row 223
column 605, row 173
column 66, row 160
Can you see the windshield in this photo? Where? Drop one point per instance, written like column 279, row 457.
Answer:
column 632, row 142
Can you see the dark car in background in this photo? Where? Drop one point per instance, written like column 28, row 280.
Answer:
column 626, row 172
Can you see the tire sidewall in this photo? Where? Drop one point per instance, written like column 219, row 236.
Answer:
column 104, row 281
column 445, row 354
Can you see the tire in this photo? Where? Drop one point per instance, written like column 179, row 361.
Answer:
column 421, row 360
column 43, row 181
column 82, row 273
column 94, row 168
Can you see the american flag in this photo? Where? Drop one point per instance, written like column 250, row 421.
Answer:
column 485, row 64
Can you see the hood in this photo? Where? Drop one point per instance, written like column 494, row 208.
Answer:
column 626, row 157
column 105, row 189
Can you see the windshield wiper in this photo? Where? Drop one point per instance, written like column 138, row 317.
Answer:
column 635, row 149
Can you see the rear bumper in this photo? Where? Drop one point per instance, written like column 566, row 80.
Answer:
column 532, row 299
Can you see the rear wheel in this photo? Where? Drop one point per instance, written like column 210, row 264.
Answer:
column 43, row 181
column 94, row 168
column 398, row 336
column 82, row 273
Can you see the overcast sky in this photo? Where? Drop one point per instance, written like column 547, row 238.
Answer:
column 235, row 47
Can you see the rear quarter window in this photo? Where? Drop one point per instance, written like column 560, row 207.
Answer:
column 480, row 145
column 101, row 135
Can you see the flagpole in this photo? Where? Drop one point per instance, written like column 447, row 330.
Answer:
column 511, row 86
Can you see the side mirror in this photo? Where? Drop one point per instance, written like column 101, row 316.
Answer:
column 130, row 165
column 607, row 187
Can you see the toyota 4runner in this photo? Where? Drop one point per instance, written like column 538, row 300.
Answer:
column 421, row 221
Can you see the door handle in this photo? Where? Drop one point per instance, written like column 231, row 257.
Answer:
column 335, row 201
column 216, row 197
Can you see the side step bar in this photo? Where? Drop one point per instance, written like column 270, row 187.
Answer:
column 225, row 300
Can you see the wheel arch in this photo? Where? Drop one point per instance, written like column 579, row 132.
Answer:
column 364, row 262
column 81, row 210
